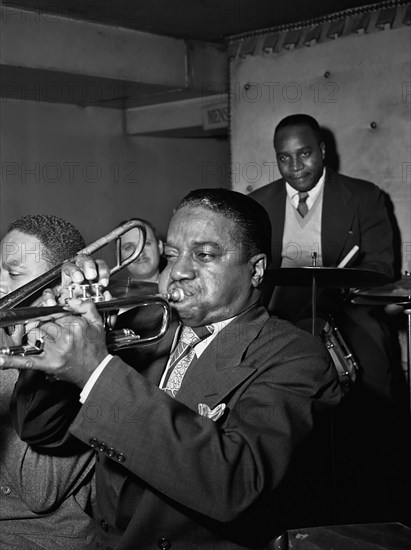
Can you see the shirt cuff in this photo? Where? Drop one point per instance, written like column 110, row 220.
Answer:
column 93, row 378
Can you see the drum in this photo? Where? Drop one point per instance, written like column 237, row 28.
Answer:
column 342, row 358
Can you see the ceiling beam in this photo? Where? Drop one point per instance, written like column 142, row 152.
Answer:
column 48, row 57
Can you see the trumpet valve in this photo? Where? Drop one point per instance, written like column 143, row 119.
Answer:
column 86, row 291
column 97, row 295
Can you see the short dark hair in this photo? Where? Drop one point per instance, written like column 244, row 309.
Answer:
column 253, row 226
column 60, row 239
column 300, row 120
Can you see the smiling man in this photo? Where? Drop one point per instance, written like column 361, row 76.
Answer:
column 146, row 268
column 314, row 209
column 198, row 449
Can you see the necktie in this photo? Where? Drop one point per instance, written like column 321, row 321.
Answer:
column 302, row 203
column 182, row 356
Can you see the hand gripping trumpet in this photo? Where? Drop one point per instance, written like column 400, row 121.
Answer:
column 116, row 339
column 52, row 276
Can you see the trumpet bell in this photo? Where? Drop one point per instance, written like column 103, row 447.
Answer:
column 143, row 324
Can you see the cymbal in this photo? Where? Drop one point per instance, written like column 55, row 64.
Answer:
column 332, row 277
column 397, row 292
column 378, row 301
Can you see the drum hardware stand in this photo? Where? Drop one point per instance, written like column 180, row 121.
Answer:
column 313, row 294
column 332, row 471
column 407, row 312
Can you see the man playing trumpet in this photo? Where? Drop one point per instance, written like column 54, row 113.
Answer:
column 201, row 448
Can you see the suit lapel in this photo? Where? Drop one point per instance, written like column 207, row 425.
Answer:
column 156, row 369
column 218, row 371
column 337, row 218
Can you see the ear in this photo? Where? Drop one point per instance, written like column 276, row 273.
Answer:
column 322, row 148
column 258, row 264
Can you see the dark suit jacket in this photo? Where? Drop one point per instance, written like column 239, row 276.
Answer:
column 354, row 213
column 165, row 472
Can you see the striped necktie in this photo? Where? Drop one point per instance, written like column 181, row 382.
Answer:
column 302, row 203
column 182, row 356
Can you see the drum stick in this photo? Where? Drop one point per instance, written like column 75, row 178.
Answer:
column 349, row 256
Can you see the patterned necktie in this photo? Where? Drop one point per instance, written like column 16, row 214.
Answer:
column 182, row 356
column 302, row 203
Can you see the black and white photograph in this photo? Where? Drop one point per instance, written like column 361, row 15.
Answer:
column 205, row 275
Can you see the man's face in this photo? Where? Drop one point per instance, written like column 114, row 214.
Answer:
column 206, row 262
column 146, row 267
column 21, row 261
column 300, row 157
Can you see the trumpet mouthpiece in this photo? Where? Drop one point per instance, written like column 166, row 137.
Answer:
column 175, row 295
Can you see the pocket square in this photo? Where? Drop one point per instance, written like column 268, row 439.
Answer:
column 212, row 414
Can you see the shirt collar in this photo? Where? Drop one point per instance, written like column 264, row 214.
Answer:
column 201, row 346
column 217, row 327
column 312, row 193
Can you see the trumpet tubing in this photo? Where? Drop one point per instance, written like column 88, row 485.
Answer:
column 115, row 339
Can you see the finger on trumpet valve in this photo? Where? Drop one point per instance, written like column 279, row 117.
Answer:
column 73, row 291
column 86, row 291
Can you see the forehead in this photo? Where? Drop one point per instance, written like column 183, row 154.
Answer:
column 17, row 237
column 197, row 224
column 20, row 247
column 299, row 135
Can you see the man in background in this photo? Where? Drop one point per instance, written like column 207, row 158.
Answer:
column 146, row 268
column 45, row 501
column 314, row 209
column 140, row 278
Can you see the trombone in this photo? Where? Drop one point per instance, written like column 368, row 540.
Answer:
column 51, row 277
column 116, row 339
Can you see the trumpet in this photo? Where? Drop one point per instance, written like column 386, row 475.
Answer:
column 116, row 339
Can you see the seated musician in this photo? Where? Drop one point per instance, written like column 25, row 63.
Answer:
column 147, row 267
column 314, row 209
column 198, row 450
column 44, row 500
